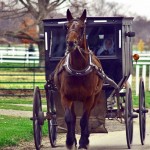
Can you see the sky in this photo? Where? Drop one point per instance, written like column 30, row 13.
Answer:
column 140, row 7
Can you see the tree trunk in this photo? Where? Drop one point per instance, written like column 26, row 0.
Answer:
column 41, row 48
column 41, row 54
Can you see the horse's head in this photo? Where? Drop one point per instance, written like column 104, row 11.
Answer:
column 75, row 30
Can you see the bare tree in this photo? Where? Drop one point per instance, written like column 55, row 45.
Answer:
column 103, row 8
column 95, row 7
column 77, row 6
column 37, row 9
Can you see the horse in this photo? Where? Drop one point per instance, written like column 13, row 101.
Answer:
column 77, row 79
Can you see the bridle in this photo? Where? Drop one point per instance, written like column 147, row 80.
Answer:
column 76, row 44
column 90, row 65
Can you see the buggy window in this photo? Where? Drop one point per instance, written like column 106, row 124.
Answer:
column 58, row 43
column 101, row 40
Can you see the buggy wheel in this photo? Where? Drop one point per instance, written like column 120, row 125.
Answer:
column 52, row 128
column 38, row 118
column 142, row 111
column 52, row 123
column 129, row 116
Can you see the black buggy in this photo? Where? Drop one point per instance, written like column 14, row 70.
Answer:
column 116, row 62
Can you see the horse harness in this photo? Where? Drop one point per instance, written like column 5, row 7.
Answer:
column 90, row 67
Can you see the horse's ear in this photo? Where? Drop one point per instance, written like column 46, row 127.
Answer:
column 83, row 16
column 69, row 15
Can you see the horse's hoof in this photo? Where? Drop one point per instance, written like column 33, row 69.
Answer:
column 71, row 144
column 69, row 147
column 82, row 147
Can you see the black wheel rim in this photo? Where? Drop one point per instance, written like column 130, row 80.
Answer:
column 128, row 116
column 37, row 128
column 52, row 127
column 142, row 114
column 52, row 124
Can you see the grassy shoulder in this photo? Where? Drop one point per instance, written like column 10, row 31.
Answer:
column 136, row 99
column 25, row 103
column 14, row 130
column 19, row 103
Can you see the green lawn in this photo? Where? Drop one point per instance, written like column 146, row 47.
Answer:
column 136, row 99
column 21, row 80
column 14, row 130
column 11, row 103
column 21, row 76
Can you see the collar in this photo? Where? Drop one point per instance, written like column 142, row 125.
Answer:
column 82, row 72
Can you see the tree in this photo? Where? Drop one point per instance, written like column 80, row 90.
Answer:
column 103, row 8
column 95, row 8
column 37, row 9
column 32, row 31
column 141, row 45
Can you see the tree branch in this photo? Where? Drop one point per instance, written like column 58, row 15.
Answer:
column 22, row 35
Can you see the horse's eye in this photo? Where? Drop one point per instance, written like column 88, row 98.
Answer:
column 66, row 26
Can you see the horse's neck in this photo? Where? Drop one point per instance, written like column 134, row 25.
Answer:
column 79, row 61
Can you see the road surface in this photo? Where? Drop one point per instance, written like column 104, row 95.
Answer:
column 111, row 141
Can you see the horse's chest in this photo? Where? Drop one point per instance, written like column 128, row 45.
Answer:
column 78, row 82
column 78, row 87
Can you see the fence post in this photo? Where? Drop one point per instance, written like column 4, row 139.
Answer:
column 13, row 51
column 1, row 56
column 130, row 80
column 27, row 57
column 34, row 76
column 137, row 79
column 144, row 75
column 149, row 79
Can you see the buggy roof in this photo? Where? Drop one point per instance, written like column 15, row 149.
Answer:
column 93, row 20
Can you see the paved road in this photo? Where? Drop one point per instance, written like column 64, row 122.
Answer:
column 111, row 141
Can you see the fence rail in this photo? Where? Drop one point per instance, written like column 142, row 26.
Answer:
column 18, row 55
column 22, row 55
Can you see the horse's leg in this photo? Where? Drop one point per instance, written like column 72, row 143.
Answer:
column 84, row 123
column 74, row 122
column 70, row 120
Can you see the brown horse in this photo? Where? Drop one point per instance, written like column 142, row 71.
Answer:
column 77, row 80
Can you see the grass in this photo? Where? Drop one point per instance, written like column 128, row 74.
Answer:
column 13, row 67
column 14, row 130
column 11, row 103
column 136, row 99
column 21, row 76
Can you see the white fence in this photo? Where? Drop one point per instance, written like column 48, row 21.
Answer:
column 22, row 55
column 142, row 69
column 18, row 55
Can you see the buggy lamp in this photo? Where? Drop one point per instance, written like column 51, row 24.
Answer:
column 136, row 57
column 41, row 36
column 130, row 34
